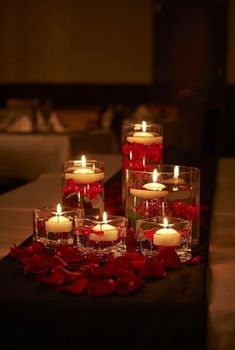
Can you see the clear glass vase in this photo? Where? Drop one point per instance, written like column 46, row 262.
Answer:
column 167, row 190
column 83, row 185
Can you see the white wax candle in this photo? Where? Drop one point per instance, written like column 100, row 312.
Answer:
column 151, row 190
column 143, row 137
column 84, row 175
column 58, row 223
column 166, row 236
column 148, row 194
column 110, row 233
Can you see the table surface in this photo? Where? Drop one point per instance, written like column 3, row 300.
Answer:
column 177, row 303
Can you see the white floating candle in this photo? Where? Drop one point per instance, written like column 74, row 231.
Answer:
column 166, row 236
column 110, row 233
column 176, row 180
column 143, row 137
column 58, row 223
column 85, row 175
column 151, row 190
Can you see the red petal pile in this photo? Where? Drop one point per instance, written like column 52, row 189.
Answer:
column 72, row 273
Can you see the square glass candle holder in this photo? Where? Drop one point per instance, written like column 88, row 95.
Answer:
column 156, row 233
column 168, row 190
column 83, row 185
column 102, row 236
column 54, row 225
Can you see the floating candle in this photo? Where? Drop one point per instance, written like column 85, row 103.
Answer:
column 166, row 236
column 84, row 174
column 151, row 190
column 58, row 223
column 143, row 137
column 176, row 180
column 110, row 233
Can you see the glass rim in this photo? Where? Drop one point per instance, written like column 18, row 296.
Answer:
column 186, row 169
column 65, row 209
column 148, row 124
column 154, row 218
column 79, row 161
column 109, row 219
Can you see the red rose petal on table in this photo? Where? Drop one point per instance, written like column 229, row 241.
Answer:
column 153, row 268
column 15, row 251
column 109, row 270
column 69, row 276
column 91, row 270
column 56, row 261
column 169, row 257
column 56, row 278
column 34, row 247
column 128, row 285
column 76, row 288
column 136, row 259
column 36, row 263
column 68, row 253
column 93, row 259
column 19, row 252
column 123, row 263
column 99, row 288
column 196, row 260
column 123, row 274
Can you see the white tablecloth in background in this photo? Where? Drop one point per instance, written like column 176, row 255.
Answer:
column 221, row 274
column 28, row 156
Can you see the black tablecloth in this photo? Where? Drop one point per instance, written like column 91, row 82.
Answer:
column 170, row 313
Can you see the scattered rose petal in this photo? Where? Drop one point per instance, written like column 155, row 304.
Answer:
column 128, row 285
column 196, row 260
column 153, row 268
column 109, row 270
column 76, row 288
column 169, row 257
column 56, row 261
column 69, row 276
column 123, row 263
column 136, row 259
column 56, row 278
column 99, row 288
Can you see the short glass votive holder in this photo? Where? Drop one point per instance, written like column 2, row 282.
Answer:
column 161, row 232
column 142, row 145
column 83, row 185
column 53, row 227
column 167, row 190
column 102, row 236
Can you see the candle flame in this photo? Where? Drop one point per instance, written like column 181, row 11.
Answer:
column 83, row 160
column 58, row 209
column 104, row 216
column 144, row 162
column 165, row 222
column 130, row 155
column 176, row 172
column 155, row 175
column 144, row 126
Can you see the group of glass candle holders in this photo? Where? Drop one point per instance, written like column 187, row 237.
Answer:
column 161, row 202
